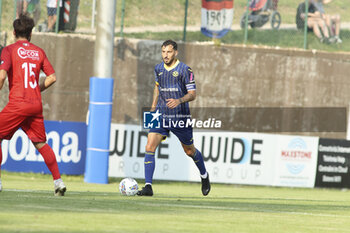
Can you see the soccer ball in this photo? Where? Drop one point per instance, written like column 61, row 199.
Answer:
column 128, row 187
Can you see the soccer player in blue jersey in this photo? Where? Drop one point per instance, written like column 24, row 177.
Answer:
column 174, row 88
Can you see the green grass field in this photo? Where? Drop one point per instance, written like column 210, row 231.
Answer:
column 27, row 204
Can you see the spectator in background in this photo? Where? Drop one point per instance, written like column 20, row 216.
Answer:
column 332, row 21
column 315, row 22
column 29, row 7
column 32, row 8
column 52, row 13
column 20, row 8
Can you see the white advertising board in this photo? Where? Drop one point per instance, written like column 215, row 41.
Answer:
column 127, row 151
column 295, row 161
column 230, row 157
column 237, row 158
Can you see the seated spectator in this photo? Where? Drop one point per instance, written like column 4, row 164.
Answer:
column 315, row 22
column 332, row 21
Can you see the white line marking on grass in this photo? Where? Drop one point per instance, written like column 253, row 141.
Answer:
column 243, row 209
column 26, row 190
column 95, row 193
column 169, row 205
column 71, row 209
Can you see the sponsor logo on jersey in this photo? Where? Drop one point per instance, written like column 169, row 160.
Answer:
column 191, row 77
column 175, row 74
column 169, row 89
column 24, row 53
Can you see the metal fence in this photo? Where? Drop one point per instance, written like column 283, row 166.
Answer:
column 290, row 24
column 273, row 24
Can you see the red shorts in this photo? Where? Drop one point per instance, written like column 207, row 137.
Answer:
column 33, row 126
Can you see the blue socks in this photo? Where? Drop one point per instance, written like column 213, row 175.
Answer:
column 149, row 167
column 198, row 160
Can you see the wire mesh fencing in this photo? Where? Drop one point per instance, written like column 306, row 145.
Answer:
column 255, row 22
column 300, row 24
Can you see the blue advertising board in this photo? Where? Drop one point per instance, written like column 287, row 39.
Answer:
column 67, row 139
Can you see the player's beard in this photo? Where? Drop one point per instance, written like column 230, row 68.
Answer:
column 170, row 61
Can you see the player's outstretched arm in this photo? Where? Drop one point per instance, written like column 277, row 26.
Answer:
column 49, row 80
column 3, row 75
column 173, row 103
column 155, row 98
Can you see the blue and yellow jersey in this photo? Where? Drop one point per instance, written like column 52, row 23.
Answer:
column 173, row 83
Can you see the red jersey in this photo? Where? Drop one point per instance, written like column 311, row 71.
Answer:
column 23, row 62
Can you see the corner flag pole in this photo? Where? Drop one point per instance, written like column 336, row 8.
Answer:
column 101, row 96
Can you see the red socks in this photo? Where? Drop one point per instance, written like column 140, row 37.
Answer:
column 0, row 158
column 0, row 155
column 50, row 160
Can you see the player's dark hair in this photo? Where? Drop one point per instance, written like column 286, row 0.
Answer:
column 170, row 42
column 23, row 26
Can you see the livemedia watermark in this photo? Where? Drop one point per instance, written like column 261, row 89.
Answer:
column 156, row 120
column 252, row 119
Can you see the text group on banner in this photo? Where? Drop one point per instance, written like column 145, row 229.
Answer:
column 333, row 163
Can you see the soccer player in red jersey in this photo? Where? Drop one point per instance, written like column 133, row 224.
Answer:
column 21, row 62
